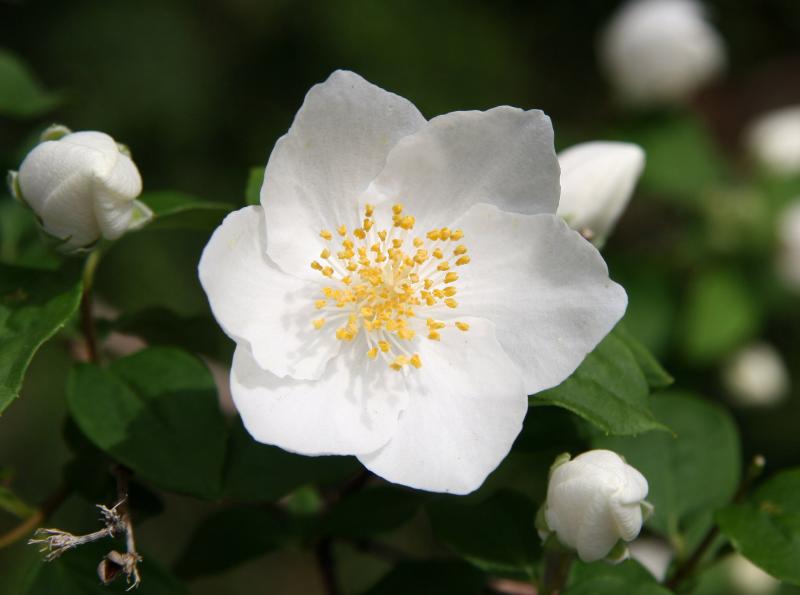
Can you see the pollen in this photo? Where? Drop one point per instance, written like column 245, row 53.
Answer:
column 383, row 281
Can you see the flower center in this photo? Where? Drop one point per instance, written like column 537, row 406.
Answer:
column 382, row 278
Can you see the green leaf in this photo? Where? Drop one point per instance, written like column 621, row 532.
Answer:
column 34, row 305
column 608, row 389
column 682, row 161
column 176, row 210
column 498, row 535
column 766, row 529
column 430, row 577
column 608, row 579
column 657, row 377
column 690, row 472
column 231, row 536
column 720, row 315
column 75, row 573
column 255, row 471
column 21, row 95
column 371, row 511
column 12, row 504
column 252, row 192
column 156, row 412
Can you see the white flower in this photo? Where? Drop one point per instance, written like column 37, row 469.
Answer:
column 594, row 501
column 774, row 140
column 660, row 51
column 789, row 245
column 82, row 187
column 749, row 579
column 404, row 285
column 756, row 375
column 654, row 554
column 597, row 180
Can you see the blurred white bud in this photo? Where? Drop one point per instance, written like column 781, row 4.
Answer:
column 749, row 579
column 82, row 186
column 597, row 180
column 756, row 375
column 789, row 245
column 594, row 502
column 654, row 554
column 774, row 140
column 660, row 51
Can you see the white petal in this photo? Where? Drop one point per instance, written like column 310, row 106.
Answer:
column 337, row 144
column 114, row 196
column 352, row 409
column 256, row 303
column 503, row 156
column 544, row 287
column 627, row 518
column 597, row 180
column 466, row 406
column 598, row 533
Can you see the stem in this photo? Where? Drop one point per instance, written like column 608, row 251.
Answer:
column 556, row 570
column 87, row 319
column 688, row 567
column 123, row 475
column 37, row 518
column 327, row 567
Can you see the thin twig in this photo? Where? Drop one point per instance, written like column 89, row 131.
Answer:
column 686, row 569
column 129, row 561
column 556, row 571
column 327, row 568
column 87, row 317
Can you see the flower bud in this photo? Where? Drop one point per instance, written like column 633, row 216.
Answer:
column 774, row 140
column 597, row 180
column 595, row 502
column 789, row 245
column 660, row 51
column 82, row 186
column 756, row 375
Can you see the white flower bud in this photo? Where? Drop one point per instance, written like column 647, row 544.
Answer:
column 595, row 501
column 756, row 375
column 660, row 51
column 774, row 140
column 82, row 187
column 789, row 245
column 597, row 180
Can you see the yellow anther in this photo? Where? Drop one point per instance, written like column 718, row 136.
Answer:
column 434, row 336
column 368, row 223
column 407, row 222
column 320, row 304
column 384, row 346
column 444, row 234
column 397, row 243
column 437, row 253
column 352, row 267
column 399, row 362
column 462, row 260
column 359, row 233
column 369, row 210
column 347, row 280
column 382, row 235
column 451, row 303
column 414, row 278
column 367, row 312
column 348, row 244
column 372, row 353
column 443, row 266
column 325, row 234
column 462, row 326
column 433, row 235
column 451, row 277
column 415, row 361
column 418, row 242
column 327, row 271
column 316, row 266
column 456, row 235
column 318, row 323
column 344, row 334
column 406, row 333
column 325, row 254
column 449, row 291
column 460, row 249
column 397, row 209
column 428, row 283
column 341, row 230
